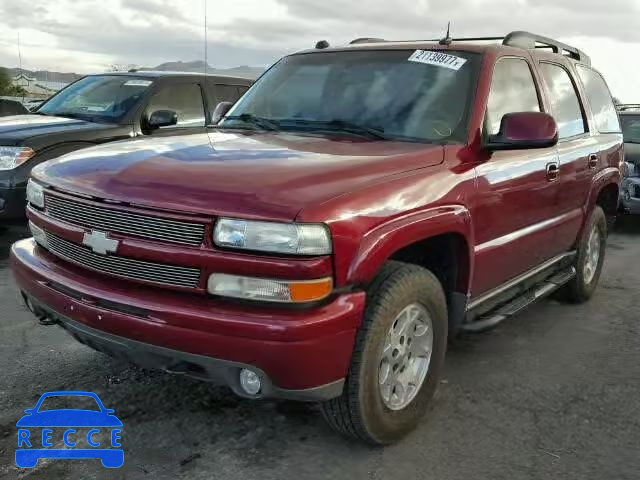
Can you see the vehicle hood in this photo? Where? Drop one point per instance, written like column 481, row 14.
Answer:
column 69, row 418
column 254, row 175
column 16, row 128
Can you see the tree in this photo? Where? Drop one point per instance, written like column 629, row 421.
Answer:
column 5, row 82
column 7, row 88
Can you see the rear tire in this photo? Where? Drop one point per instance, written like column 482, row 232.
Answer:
column 589, row 260
column 401, row 303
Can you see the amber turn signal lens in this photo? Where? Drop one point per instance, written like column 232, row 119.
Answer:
column 310, row 291
column 286, row 291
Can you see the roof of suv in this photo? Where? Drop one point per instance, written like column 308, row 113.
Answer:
column 514, row 41
column 628, row 109
column 163, row 74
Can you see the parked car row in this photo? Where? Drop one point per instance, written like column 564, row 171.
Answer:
column 630, row 188
column 355, row 210
column 104, row 108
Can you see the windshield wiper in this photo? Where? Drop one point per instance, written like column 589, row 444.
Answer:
column 79, row 116
column 260, row 122
column 69, row 115
column 342, row 125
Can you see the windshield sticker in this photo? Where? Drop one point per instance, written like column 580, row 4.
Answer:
column 438, row 59
column 98, row 108
column 138, row 83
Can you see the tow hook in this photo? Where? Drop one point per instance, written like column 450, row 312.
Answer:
column 41, row 315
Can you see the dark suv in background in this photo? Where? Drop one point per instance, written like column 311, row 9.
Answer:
column 103, row 108
column 630, row 189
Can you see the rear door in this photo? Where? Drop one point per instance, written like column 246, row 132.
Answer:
column 515, row 206
column 605, row 123
column 578, row 151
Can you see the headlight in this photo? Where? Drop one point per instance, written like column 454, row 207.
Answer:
column 11, row 157
column 38, row 235
column 250, row 288
column 288, row 238
column 35, row 194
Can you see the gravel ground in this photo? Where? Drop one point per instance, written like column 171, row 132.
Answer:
column 551, row 394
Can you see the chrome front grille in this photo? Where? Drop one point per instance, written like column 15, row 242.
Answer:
column 126, row 223
column 161, row 274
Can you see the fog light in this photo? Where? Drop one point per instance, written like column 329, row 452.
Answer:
column 252, row 288
column 250, row 381
column 39, row 235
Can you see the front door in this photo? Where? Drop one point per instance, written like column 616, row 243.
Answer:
column 515, row 211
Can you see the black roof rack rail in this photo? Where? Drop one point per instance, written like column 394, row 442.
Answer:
column 518, row 39
column 532, row 41
column 628, row 106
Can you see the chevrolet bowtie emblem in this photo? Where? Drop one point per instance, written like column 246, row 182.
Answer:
column 100, row 243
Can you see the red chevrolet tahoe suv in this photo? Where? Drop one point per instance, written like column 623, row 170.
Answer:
column 355, row 209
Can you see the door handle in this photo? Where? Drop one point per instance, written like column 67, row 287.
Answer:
column 553, row 171
column 594, row 159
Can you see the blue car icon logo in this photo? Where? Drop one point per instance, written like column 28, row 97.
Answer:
column 84, row 433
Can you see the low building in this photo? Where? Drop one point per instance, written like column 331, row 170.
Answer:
column 34, row 87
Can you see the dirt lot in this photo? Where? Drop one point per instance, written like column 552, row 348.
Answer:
column 552, row 394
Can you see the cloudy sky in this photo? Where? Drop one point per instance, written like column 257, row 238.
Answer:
column 88, row 35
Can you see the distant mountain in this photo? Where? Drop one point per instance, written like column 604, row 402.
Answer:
column 63, row 78
column 199, row 65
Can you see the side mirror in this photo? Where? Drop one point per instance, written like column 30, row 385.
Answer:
column 524, row 130
column 29, row 410
column 162, row 118
column 221, row 110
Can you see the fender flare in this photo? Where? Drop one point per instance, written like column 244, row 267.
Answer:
column 380, row 243
column 602, row 179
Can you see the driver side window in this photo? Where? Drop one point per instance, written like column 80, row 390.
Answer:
column 512, row 90
column 184, row 99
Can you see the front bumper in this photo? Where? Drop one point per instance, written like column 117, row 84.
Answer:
column 629, row 203
column 630, row 195
column 299, row 354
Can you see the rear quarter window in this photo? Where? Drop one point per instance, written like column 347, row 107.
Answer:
column 600, row 100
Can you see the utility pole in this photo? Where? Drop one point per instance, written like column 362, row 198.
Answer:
column 20, row 65
column 19, row 54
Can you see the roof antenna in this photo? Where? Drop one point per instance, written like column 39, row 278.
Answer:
column 206, row 59
column 447, row 39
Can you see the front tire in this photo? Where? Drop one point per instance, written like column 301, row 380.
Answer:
column 397, row 359
column 590, row 258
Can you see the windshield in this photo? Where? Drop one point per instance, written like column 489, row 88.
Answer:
column 66, row 402
column 630, row 128
column 103, row 98
column 377, row 94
